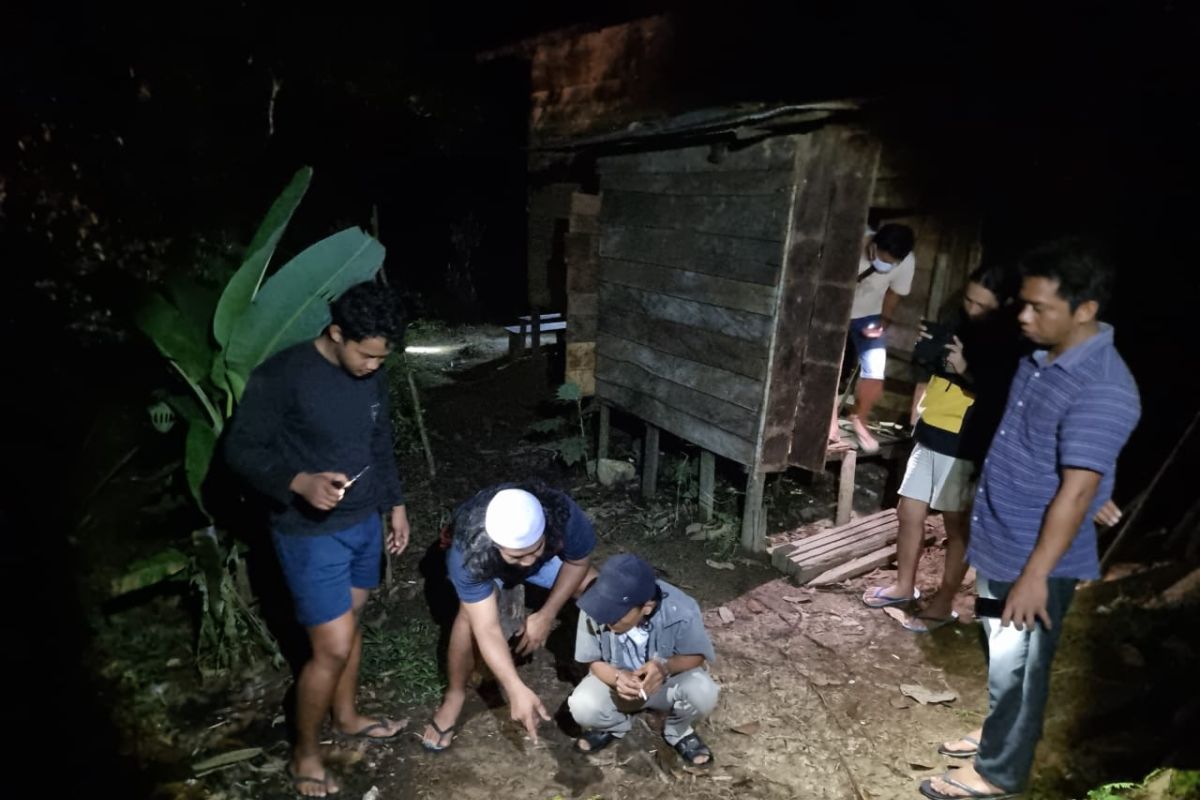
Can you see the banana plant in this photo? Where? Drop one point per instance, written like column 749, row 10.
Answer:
column 214, row 343
column 213, row 340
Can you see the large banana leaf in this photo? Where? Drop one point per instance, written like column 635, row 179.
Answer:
column 176, row 337
column 200, row 447
column 243, row 286
column 195, row 300
column 149, row 571
column 293, row 305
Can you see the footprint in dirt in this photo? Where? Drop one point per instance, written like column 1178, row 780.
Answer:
column 575, row 770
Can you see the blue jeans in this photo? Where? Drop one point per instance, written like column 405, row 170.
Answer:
column 1018, row 685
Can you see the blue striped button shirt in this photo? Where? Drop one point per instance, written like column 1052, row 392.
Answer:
column 1076, row 412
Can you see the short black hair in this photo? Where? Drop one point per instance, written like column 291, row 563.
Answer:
column 1001, row 280
column 367, row 310
column 1081, row 268
column 898, row 240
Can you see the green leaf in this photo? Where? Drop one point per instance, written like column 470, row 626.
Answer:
column 294, row 304
column 225, row 759
column 150, row 571
column 572, row 450
column 552, row 425
column 195, row 300
column 187, row 407
column 219, row 375
column 176, row 337
column 243, row 286
column 201, row 444
column 569, row 393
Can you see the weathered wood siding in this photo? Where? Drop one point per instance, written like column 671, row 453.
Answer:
column 549, row 217
column 835, row 171
column 691, row 242
column 583, row 286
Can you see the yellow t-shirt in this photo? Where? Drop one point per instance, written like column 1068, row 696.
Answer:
column 945, row 405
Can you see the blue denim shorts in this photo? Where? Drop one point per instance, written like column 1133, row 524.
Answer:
column 321, row 569
column 872, row 353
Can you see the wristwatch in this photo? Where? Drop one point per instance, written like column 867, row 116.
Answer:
column 662, row 664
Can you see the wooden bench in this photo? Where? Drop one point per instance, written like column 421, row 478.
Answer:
column 525, row 328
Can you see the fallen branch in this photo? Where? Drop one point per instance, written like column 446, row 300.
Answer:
column 1149, row 490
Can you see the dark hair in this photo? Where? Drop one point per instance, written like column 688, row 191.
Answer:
column 481, row 557
column 897, row 240
column 367, row 310
column 999, row 279
column 1082, row 271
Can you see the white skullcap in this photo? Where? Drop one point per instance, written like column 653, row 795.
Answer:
column 514, row 519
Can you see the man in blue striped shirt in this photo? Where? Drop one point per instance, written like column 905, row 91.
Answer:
column 1050, row 468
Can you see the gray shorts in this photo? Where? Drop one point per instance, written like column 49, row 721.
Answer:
column 941, row 481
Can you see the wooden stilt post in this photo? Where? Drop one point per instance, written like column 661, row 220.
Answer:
column 754, row 516
column 845, row 495
column 602, row 436
column 650, row 462
column 708, row 475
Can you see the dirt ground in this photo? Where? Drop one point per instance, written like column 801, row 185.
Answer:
column 810, row 680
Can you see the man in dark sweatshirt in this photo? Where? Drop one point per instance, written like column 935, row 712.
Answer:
column 313, row 435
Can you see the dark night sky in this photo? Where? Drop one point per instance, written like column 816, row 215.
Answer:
column 1078, row 118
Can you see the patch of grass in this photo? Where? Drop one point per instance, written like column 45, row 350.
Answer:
column 1111, row 791
column 403, row 658
column 1169, row 784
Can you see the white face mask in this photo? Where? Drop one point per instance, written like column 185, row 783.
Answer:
column 881, row 266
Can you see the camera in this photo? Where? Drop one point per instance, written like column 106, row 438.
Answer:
column 930, row 353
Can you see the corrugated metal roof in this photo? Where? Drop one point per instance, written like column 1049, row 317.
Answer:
column 743, row 121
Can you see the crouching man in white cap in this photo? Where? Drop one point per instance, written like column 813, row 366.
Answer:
column 646, row 646
column 501, row 537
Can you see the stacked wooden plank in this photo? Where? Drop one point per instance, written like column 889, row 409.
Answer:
column 842, row 552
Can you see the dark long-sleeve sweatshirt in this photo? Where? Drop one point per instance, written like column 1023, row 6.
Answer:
column 302, row 413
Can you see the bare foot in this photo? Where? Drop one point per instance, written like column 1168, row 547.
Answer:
column 446, row 718
column 939, row 606
column 974, row 783
column 866, row 441
column 835, row 432
column 894, row 595
column 964, row 746
column 310, row 778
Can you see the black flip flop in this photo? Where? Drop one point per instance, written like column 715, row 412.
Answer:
column 691, row 747
column 441, row 734
column 971, row 794
column 597, row 741
column 365, row 733
column 946, row 751
column 298, row 780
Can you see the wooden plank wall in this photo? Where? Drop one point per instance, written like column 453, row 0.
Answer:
column 691, row 241
column 549, row 215
column 835, row 170
column 583, row 286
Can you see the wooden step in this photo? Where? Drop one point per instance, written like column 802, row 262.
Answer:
column 863, row 564
column 813, row 556
column 782, row 554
